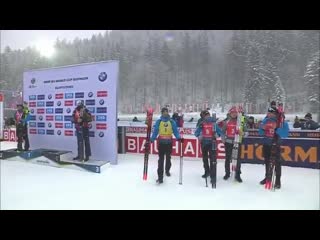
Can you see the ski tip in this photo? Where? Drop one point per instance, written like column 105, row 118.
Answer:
column 150, row 110
column 268, row 185
column 144, row 177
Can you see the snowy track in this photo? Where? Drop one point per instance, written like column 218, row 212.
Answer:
column 30, row 186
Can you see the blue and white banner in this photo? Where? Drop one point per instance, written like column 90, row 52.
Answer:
column 54, row 93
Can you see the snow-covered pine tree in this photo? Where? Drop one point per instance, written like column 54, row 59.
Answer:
column 312, row 82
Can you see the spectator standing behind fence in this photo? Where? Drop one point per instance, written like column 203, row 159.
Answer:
column 309, row 124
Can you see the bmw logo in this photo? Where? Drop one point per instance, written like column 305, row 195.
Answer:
column 32, row 111
column 49, row 125
column 33, row 80
column 59, row 132
column 102, row 76
column 68, row 110
column 59, row 103
column 101, row 134
column 101, row 102
column 90, row 125
column 90, row 94
column 40, row 118
column 49, row 96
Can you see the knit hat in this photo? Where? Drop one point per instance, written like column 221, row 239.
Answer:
column 308, row 115
column 205, row 113
column 272, row 110
column 164, row 109
column 233, row 109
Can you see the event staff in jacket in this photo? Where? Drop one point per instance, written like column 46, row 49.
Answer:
column 81, row 117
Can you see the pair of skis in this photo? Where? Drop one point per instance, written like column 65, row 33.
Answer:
column 237, row 141
column 270, row 181
column 147, row 148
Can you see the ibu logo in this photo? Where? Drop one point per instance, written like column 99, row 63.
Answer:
column 50, row 96
column 103, row 76
column 32, row 111
column 90, row 126
column 59, row 132
column 59, row 103
column 33, row 81
column 68, row 110
column 40, row 118
column 49, row 125
column 90, row 94
column 101, row 101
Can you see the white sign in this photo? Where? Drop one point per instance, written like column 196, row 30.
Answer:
column 52, row 95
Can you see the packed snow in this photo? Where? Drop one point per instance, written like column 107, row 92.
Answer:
column 31, row 186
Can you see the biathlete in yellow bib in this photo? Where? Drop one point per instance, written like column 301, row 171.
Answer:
column 164, row 127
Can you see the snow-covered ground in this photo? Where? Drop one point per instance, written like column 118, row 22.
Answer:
column 31, row 186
